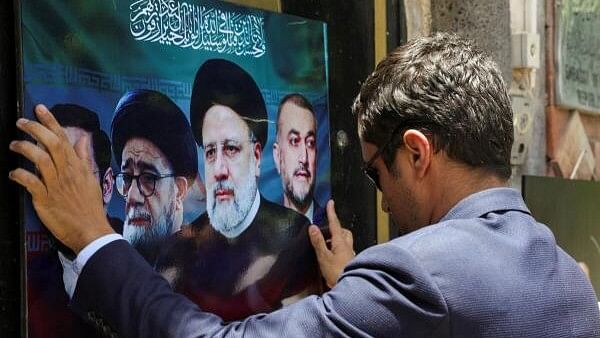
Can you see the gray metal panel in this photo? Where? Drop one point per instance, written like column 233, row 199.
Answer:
column 571, row 209
column 11, row 252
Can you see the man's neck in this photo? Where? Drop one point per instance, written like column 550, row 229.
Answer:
column 456, row 184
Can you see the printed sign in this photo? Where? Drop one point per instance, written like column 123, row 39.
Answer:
column 578, row 54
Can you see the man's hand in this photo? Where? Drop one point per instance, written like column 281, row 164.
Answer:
column 66, row 194
column 332, row 261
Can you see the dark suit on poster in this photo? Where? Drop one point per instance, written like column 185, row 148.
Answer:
column 48, row 312
column 487, row 269
column 319, row 214
column 234, row 278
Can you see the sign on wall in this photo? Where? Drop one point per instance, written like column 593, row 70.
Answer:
column 578, row 55
column 210, row 139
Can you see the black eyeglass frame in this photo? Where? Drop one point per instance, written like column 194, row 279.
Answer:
column 367, row 168
column 136, row 178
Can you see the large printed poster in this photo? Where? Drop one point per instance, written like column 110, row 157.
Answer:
column 209, row 131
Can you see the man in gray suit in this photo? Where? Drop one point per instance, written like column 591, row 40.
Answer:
column 435, row 125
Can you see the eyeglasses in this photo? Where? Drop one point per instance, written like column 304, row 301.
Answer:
column 146, row 182
column 367, row 168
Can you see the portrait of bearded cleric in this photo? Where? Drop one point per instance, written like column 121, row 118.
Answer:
column 246, row 254
column 155, row 150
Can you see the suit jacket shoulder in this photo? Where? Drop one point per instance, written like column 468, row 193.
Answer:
column 501, row 272
column 279, row 225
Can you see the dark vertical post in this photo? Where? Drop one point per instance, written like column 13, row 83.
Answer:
column 396, row 36
column 10, row 232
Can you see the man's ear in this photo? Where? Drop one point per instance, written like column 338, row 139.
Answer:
column 181, row 183
column 108, row 183
column 419, row 149
column 276, row 156
column 257, row 152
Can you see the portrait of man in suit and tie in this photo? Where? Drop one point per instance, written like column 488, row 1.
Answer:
column 295, row 156
column 246, row 254
column 155, row 149
column 47, row 298
column 78, row 121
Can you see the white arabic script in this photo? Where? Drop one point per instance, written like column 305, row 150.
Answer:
column 171, row 22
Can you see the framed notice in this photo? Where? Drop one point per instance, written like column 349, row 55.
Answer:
column 578, row 55
column 210, row 139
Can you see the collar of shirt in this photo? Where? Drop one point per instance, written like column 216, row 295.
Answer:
column 486, row 201
column 309, row 211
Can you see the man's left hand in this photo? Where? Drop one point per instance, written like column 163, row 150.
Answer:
column 66, row 194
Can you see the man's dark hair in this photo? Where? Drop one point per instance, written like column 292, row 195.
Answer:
column 155, row 117
column 297, row 99
column 451, row 91
column 72, row 115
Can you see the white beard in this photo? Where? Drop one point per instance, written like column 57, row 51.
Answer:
column 147, row 240
column 227, row 217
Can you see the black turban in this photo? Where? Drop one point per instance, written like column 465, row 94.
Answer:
column 223, row 82
column 152, row 115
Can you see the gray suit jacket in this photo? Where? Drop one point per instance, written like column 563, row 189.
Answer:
column 487, row 269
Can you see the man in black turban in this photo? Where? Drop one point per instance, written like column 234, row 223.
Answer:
column 155, row 148
column 245, row 254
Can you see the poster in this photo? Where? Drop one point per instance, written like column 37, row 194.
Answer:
column 210, row 138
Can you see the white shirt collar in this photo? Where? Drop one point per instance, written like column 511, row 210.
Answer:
column 309, row 211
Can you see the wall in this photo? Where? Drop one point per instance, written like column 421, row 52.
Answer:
column 566, row 144
column 535, row 90
column 488, row 23
column 484, row 21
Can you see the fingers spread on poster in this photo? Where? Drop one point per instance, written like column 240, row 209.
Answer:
column 66, row 180
column 28, row 180
column 332, row 261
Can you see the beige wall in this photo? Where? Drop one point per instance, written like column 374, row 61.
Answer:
column 269, row 5
column 418, row 18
